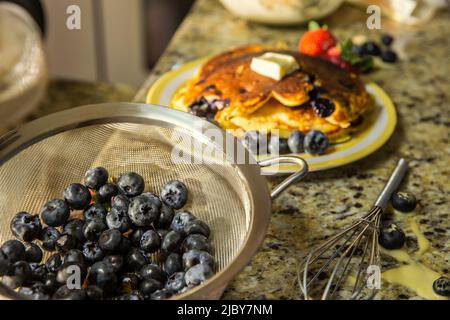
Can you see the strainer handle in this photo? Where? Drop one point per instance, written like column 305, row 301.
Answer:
column 292, row 178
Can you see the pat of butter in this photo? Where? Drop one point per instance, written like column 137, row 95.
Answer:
column 274, row 65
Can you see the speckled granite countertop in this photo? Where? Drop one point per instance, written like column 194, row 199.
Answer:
column 319, row 205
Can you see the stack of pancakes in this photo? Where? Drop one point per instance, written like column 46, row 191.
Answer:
column 251, row 101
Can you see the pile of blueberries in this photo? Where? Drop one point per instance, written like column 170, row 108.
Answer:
column 314, row 142
column 128, row 244
column 371, row 48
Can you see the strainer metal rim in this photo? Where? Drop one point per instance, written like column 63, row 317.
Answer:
column 17, row 140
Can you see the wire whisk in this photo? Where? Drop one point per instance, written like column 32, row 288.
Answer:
column 349, row 262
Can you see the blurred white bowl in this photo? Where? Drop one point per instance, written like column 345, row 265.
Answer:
column 281, row 12
column 23, row 69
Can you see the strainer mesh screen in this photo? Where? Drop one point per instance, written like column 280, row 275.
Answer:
column 41, row 172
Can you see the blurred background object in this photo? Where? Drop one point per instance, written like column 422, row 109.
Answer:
column 119, row 41
column 281, row 12
column 288, row 12
column 23, row 69
column 410, row 12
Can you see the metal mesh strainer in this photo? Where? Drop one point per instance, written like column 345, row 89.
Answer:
column 40, row 159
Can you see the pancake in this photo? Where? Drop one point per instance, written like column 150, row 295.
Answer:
column 274, row 117
column 250, row 101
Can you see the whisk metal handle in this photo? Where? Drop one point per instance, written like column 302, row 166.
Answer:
column 292, row 178
column 393, row 183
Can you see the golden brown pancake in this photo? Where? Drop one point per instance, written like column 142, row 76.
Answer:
column 256, row 102
column 274, row 116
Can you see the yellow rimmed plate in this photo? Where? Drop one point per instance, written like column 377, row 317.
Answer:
column 378, row 126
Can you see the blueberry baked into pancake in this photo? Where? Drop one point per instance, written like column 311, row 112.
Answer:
column 254, row 88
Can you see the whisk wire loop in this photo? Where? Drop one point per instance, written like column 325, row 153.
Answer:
column 353, row 249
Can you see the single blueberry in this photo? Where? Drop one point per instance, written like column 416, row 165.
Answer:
column 165, row 217
column 371, row 48
column 323, row 107
column 150, row 241
column 197, row 242
column 109, row 240
column 135, row 260
column 316, row 142
column 441, row 286
column 33, row 253
column 198, row 274
column 131, row 184
column 173, row 263
column 120, row 203
column 142, row 211
column 66, row 242
column 95, row 211
column 103, row 275
column 93, row 228
column 92, row 252
column 116, row 219
column 176, row 282
column 106, row 193
column 147, row 287
column 55, row 213
column 77, row 196
column 295, row 141
column 389, row 56
column 96, row 177
column 404, row 201
column 391, row 237
column 74, row 227
column 174, row 194
column 181, row 219
column 49, row 237
column 14, row 250
column 172, row 242
column 152, row 271
column 25, row 226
